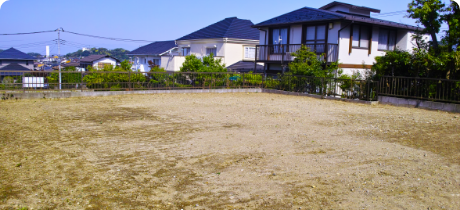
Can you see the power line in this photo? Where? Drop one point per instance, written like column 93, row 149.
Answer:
column 108, row 38
column 390, row 13
column 38, row 32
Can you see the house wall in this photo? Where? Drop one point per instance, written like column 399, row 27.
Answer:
column 20, row 62
column 141, row 62
column 112, row 62
column 230, row 51
column 172, row 63
column 234, row 53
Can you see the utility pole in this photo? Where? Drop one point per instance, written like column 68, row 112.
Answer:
column 59, row 56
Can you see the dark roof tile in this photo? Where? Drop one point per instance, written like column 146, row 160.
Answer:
column 92, row 58
column 155, row 48
column 15, row 55
column 308, row 14
column 227, row 28
column 245, row 66
column 301, row 15
column 14, row 67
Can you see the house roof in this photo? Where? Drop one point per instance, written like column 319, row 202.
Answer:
column 15, row 54
column 302, row 15
column 336, row 3
column 156, row 48
column 227, row 28
column 245, row 66
column 92, row 58
column 307, row 14
column 76, row 64
column 14, row 67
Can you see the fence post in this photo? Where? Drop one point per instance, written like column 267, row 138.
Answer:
column 322, row 86
column 243, row 80
column 290, row 78
column 81, row 81
column 368, row 90
column 129, row 80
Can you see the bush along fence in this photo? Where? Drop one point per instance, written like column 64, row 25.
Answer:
column 404, row 87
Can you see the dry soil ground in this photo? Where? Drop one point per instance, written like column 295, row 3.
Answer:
column 225, row 151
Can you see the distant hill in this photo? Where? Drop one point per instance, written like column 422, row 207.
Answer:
column 36, row 55
column 118, row 53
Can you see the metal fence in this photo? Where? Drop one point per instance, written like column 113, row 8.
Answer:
column 332, row 87
column 124, row 81
column 430, row 89
column 130, row 81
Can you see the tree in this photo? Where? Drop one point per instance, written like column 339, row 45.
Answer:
column 208, row 64
column 427, row 12
column 307, row 63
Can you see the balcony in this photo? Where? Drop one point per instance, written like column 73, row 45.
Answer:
column 282, row 53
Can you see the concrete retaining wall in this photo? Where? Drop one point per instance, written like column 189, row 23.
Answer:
column 35, row 95
column 414, row 103
column 448, row 107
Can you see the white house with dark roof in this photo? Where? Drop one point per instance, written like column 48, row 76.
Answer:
column 15, row 60
column 343, row 32
column 98, row 62
column 150, row 55
column 233, row 40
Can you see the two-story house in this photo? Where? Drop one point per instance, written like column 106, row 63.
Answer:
column 343, row 32
column 15, row 60
column 233, row 40
column 150, row 55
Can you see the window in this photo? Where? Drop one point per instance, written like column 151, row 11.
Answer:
column 280, row 36
column 156, row 62
column 387, row 39
column 361, row 36
column 185, row 51
column 315, row 38
column 102, row 65
column 212, row 51
column 250, row 52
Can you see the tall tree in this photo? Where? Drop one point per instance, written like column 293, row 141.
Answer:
column 427, row 12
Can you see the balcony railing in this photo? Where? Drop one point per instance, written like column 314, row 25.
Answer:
column 283, row 52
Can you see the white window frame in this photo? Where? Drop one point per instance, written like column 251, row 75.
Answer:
column 188, row 52
column 247, row 53
column 211, row 48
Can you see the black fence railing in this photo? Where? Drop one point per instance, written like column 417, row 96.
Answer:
column 430, row 89
column 283, row 53
column 124, row 81
column 332, row 87
column 405, row 87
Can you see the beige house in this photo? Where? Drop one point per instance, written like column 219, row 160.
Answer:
column 232, row 39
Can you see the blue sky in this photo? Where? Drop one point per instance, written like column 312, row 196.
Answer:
column 141, row 19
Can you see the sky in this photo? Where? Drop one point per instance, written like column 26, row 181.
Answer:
column 150, row 20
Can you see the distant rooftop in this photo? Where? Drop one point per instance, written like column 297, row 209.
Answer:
column 227, row 28
column 336, row 3
column 92, row 58
column 156, row 48
column 15, row 54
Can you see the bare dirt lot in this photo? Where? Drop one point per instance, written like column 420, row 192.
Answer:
column 225, row 151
